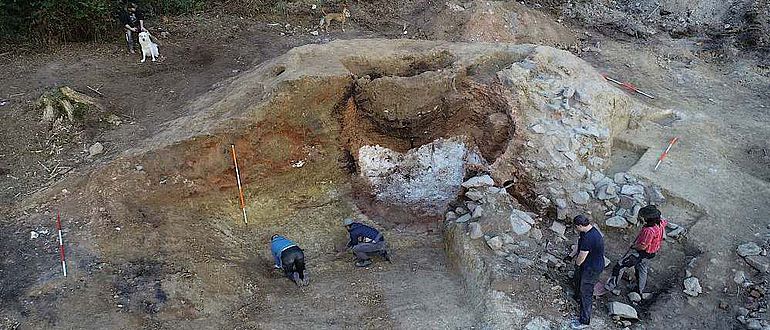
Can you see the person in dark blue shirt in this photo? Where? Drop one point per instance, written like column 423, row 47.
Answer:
column 133, row 22
column 363, row 241
column 589, row 258
column 289, row 257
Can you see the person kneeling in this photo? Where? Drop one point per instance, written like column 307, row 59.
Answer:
column 365, row 240
column 289, row 257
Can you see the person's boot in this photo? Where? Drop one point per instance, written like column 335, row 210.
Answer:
column 363, row 263
column 295, row 278
column 306, row 278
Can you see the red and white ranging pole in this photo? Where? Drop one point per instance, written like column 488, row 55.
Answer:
column 665, row 153
column 61, row 245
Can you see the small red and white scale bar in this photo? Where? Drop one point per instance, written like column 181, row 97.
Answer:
column 627, row 86
column 61, row 245
column 665, row 153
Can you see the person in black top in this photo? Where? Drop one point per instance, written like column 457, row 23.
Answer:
column 133, row 22
column 589, row 258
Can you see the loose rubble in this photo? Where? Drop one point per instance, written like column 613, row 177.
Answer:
column 692, row 286
column 622, row 311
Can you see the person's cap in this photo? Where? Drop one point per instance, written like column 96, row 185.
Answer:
column 347, row 222
column 649, row 212
column 581, row 220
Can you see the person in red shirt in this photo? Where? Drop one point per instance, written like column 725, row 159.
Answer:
column 646, row 245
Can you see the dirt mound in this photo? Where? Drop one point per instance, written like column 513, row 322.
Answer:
column 162, row 223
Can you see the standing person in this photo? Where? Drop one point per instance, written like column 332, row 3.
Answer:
column 589, row 258
column 289, row 257
column 133, row 22
column 646, row 245
column 365, row 240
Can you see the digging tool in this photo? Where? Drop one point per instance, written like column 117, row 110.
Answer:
column 61, row 245
column 240, row 188
column 627, row 86
column 665, row 153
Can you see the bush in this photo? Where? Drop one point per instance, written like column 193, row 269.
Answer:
column 46, row 22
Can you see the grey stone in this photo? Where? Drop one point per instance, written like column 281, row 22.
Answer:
column 749, row 249
column 460, row 210
column 743, row 311
column 596, row 162
column 477, row 212
column 561, row 203
column 474, row 195
column 580, row 197
column 451, row 216
column 95, row 149
column 479, row 181
column 464, row 218
column 626, row 202
column 538, row 323
column 633, row 220
column 568, row 92
column 507, row 239
column 535, row 233
column 495, row 243
column 759, row 263
column 139, row 168
column 561, row 213
column 474, row 229
column 739, row 277
column 570, row 155
column 525, row 262
column 619, row 178
column 526, row 216
column 655, row 195
column 622, row 310
column 596, row 177
column 676, row 233
column 608, row 191
column 634, row 297
column 617, row 222
column 753, row 324
column 558, row 228
column 518, row 224
column 539, row 129
column 603, row 182
column 500, row 253
column 471, row 206
column 632, row 189
column 692, row 286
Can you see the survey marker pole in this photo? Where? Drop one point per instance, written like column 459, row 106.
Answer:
column 61, row 245
column 665, row 153
column 240, row 187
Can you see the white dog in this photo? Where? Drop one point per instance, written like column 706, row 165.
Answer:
column 148, row 47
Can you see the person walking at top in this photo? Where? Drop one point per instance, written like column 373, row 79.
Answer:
column 589, row 259
column 365, row 240
column 646, row 245
column 133, row 22
column 290, row 258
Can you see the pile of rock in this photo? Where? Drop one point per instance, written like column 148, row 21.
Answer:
column 511, row 232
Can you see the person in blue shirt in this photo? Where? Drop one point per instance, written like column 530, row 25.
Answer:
column 365, row 240
column 589, row 258
column 290, row 258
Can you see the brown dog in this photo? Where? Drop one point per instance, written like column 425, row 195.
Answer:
column 327, row 19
